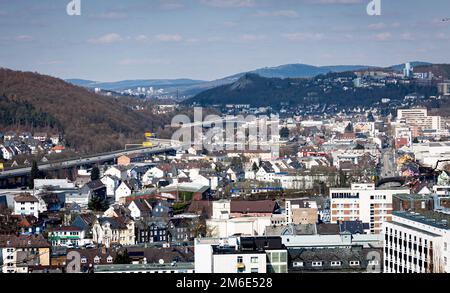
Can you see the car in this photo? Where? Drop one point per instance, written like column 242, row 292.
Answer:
column 90, row 245
column 68, row 245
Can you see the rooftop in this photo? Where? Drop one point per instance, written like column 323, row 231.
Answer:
column 432, row 218
column 142, row 267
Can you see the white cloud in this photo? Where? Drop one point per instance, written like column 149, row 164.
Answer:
column 251, row 38
column 229, row 3
column 377, row 26
column 278, row 13
column 385, row 36
column 23, row 38
column 300, row 37
column 171, row 5
column 407, row 37
column 141, row 38
column 169, row 38
column 106, row 39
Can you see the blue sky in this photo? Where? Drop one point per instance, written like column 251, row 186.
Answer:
column 208, row 39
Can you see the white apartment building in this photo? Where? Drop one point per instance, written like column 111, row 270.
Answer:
column 364, row 202
column 240, row 255
column 416, row 243
column 26, row 204
column 418, row 117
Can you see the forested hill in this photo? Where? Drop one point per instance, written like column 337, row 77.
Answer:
column 90, row 122
column 260, row 91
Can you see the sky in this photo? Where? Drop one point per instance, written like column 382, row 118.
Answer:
column 208, row 39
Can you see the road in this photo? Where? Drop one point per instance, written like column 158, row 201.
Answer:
column 163, row 146
column 388, row 165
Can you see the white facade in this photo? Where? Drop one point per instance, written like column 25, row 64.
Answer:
column 111, row 184
column 248, row 226
column 117, row 172
column 206, row 261
column 122, row 191
column 27, row 208
column 414, row 244
column 363, row 202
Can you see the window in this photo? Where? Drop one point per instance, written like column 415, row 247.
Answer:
column 109, row 259
column 297, row 264
column 354, row 263
column 336, row 263
column 316, row 263
column 254, row 271
column 240, row 259
column 254, row 260
column 97, row 259
column 83, row 260
column 375, row 262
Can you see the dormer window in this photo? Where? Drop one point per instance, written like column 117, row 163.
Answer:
column 83, row 260
column 109, row 259
column 97, row 260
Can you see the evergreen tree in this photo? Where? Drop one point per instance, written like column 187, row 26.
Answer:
column 98, row 204
column 349, row 128
column 35, row 174
column 284, row 133
column 95, row 173
column 255, row 167
column 342, row 179
column 123, row 258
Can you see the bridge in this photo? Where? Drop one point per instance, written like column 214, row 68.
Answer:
column 162, row 147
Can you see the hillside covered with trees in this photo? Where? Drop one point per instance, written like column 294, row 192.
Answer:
column 260, row 91
column 89, row 122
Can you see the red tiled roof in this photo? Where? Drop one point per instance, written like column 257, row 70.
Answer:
column 25, row 197
column 262, row 206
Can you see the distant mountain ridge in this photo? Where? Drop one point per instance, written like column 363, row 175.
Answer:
column 190, row 87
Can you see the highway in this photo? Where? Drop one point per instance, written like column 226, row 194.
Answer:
column 161, row 147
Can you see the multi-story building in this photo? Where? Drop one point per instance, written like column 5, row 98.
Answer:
column 67, row 235
column 301, row 211
column 26, row 204
column 240, row 255
column 417, row 243
column 363, row 202
column 418, row 118
column 18, row 253
column 113, row 231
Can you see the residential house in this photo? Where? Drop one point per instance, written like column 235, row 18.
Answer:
column 111, row 183
column 19, row 252
column 140, row 209
column 65, row 235
column 113, row 231
column 123, row 191
column 94, row 189
column 26, row 204
column 117, row 171
column 41, row 136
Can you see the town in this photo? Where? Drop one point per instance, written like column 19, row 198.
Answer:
column 357, row 191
